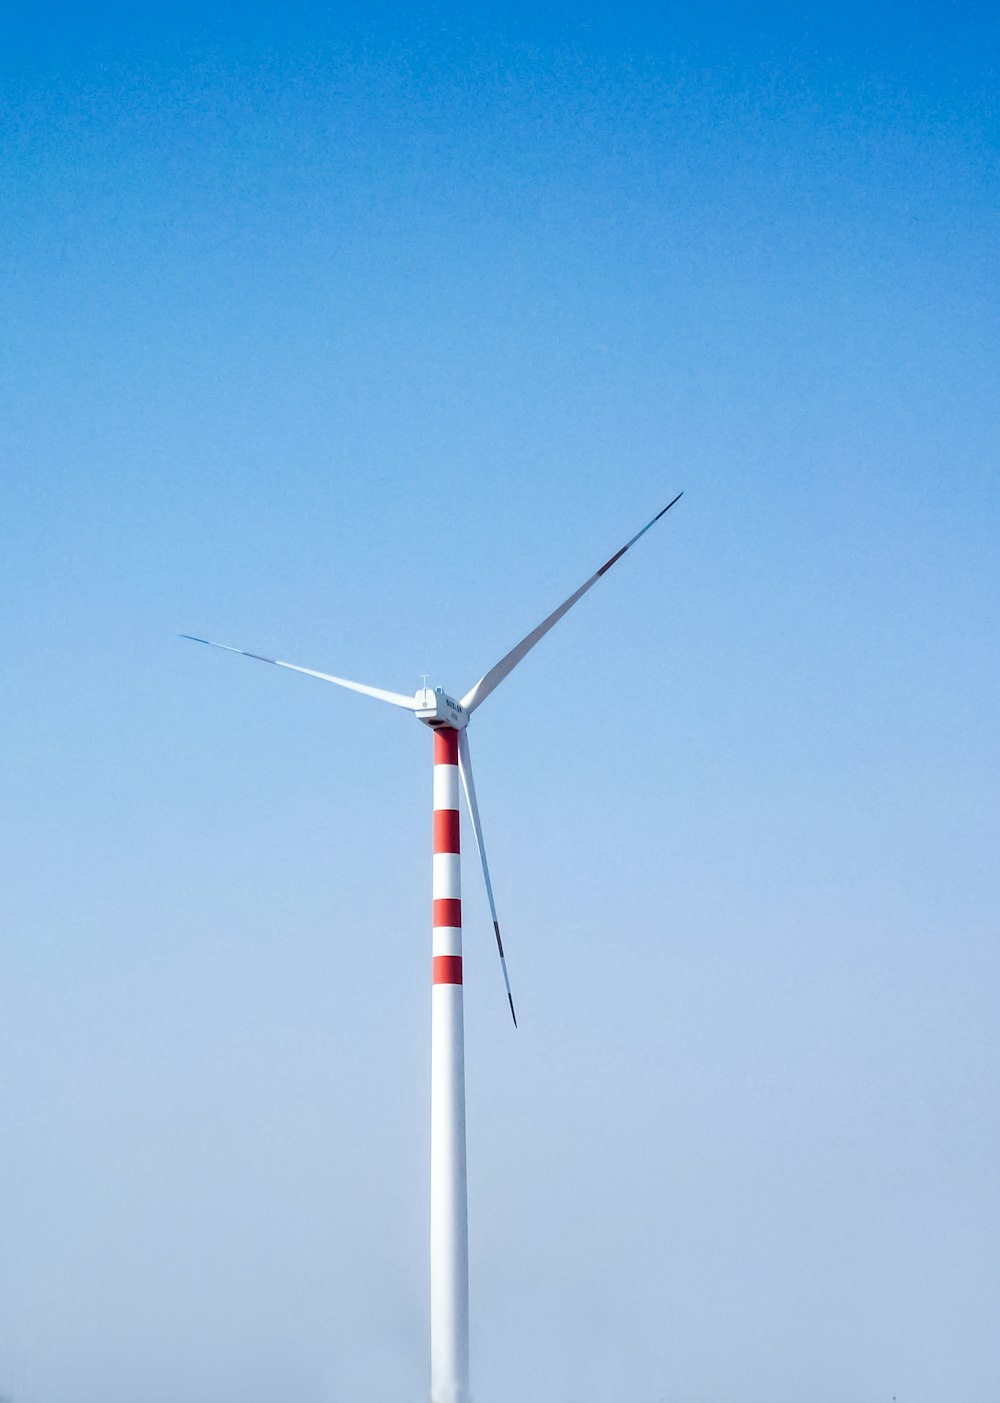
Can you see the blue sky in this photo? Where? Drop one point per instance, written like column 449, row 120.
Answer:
column 361, row 338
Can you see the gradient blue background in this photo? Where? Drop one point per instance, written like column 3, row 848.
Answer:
column 360, row 337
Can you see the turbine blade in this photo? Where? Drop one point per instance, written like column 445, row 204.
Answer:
column 396, row 698
column 468, row 784
column 499, row 671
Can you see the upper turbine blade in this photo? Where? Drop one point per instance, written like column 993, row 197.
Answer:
column 396, row 698
column 499, row 671
column 468, row 784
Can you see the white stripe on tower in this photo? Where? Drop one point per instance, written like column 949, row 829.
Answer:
column 449, row 1212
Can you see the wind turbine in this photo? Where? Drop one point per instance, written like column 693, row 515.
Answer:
column 449, row 720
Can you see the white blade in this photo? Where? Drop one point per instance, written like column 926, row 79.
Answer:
column 468, row 784
column 396, row 698
column 499, row 671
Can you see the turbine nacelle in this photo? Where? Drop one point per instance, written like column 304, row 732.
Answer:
column 437, row 709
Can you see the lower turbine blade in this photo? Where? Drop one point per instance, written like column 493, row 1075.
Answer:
column 468, row 784
column 503, row 966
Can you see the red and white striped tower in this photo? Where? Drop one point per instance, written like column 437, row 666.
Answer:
column 449, row 1203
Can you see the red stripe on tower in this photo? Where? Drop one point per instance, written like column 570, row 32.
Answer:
column 447, row 969
column 446, row 746
column 447, row 911
column 446, row 831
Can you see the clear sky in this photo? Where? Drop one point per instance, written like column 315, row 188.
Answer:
column 360, row 336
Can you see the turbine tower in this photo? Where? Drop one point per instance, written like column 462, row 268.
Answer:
column 449, row 719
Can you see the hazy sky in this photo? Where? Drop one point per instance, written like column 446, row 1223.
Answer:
column 360, row 336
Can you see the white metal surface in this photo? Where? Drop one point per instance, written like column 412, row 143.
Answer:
column 449, row 1204
column 446, row 786
column 447, row 875
column 447, row 940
